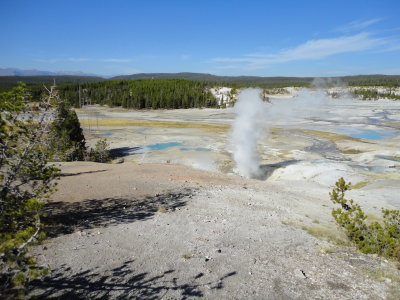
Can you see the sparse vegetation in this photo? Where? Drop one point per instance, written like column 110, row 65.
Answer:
column 275, row 91
column 374, row 94
column 380, row 238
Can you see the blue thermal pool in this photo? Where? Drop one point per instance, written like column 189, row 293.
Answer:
column 370, row 134
column 103, row 134
column 374, row 134
column 162, row 146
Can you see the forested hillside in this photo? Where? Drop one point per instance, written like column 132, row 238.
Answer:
column 139, row 94
column 8, row 82
column 278, row 81
column 226, row 80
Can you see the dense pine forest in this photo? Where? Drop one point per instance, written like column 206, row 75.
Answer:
column 7, row 82
column 179, row 90
column 140, row 94
column 278, row 81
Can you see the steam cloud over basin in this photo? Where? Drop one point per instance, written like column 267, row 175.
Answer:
column 247, row 128
column 254, row 117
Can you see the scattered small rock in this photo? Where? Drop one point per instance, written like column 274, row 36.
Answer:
column 300, row 274
column 357, row 261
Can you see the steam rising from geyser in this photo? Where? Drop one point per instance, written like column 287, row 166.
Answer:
column 254, row 118
column 248, row 127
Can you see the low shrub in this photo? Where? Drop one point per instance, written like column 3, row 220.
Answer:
column 380, row 238
column 100, row 152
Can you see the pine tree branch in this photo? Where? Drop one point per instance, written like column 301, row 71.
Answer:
column 33, row 237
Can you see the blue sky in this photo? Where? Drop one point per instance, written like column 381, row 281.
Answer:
column 262, row 38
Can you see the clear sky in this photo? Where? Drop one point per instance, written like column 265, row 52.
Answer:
column 232, row 37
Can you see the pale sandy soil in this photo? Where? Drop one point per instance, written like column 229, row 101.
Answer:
column 154, row 227
column 128, row 231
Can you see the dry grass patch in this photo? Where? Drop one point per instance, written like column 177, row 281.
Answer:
column 160, row 124
column 360, row 185
column 351, row 151
column 383, row 176
column 333, row 137
column 324, row 233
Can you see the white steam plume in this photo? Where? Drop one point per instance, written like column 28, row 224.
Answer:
column 248, row 127
column 254, row 117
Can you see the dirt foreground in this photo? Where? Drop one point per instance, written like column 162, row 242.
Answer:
column 152, row 231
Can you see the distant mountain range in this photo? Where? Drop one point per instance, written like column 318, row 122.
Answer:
column 34, row 72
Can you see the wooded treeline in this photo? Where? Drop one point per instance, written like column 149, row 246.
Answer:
column 140, row 94
column 8, row 82
column 180, row 90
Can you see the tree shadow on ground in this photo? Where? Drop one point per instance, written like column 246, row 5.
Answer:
column 120, row 283
column 81, row 173
column 64, row 217
column 268, row 169
column 123, row 151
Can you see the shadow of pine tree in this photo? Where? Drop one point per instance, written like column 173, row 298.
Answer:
column 120, row 283
column 64, row 217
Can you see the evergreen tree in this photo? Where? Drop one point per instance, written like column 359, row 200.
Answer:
column 67, row 139
column 25, row 181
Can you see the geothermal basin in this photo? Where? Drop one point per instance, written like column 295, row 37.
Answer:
column 174, row 215
column 305, row 141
